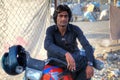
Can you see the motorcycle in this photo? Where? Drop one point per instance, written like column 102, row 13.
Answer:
column 18, row 60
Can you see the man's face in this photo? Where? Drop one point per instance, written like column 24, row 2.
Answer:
column 62, row 19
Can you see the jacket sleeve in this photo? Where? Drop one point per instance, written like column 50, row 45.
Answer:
column 85, row 44
column 50, row 46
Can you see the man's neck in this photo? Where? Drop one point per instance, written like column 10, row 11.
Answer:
column 62, row 29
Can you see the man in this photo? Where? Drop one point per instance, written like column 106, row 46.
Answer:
column 60, row 42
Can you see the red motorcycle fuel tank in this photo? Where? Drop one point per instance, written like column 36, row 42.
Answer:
column 51, row 73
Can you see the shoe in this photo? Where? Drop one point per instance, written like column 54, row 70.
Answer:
column 97, row 64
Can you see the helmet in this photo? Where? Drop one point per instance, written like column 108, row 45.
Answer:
column 14, row 58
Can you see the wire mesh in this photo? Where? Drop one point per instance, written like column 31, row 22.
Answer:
column 23, row 22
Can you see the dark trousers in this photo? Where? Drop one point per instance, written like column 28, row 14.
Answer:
column 81, row 63
column 80, row 75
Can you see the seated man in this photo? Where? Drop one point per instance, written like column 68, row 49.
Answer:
column 60, row 42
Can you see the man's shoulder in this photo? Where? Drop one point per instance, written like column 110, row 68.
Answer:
column 74, row 27
column 52, row 27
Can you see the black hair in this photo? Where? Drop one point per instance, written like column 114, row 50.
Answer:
column 61, row 8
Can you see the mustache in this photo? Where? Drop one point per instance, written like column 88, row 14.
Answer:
column 63, row 26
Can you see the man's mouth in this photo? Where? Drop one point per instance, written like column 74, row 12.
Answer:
column 62, row 26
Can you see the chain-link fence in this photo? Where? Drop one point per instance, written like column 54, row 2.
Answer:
column 23, row 22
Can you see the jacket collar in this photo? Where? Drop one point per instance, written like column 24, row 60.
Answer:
column 68, row 27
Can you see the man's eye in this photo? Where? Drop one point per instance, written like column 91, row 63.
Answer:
column 65, row 15
column 60, row 15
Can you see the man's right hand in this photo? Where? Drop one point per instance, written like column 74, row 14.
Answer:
column 71, row 65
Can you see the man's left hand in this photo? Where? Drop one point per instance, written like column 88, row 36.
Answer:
column 89, row 72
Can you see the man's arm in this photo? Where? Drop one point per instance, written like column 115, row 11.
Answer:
column 89, row 54
column 85, row 44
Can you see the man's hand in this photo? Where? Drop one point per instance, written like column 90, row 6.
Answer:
column 89, row 71
column 70, row 62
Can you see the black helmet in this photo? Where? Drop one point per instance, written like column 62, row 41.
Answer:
column 14, row 58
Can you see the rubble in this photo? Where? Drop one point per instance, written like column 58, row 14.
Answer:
column 111, row 70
